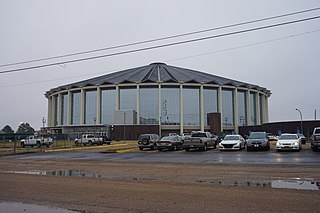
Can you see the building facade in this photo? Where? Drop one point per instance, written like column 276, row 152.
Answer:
column 174, row 98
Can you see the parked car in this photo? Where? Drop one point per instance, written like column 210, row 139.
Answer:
column 199, row 140
column 170, row 142
column 303, row 138
column 148, row 141
column 315, row 139
column 289, row 142
column 232, row 142
column 89, row 139
column 258, row 141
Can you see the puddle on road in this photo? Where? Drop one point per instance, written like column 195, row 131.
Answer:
column 298, row 183
column 21, row 207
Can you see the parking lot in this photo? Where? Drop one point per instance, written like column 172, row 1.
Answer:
column 131, row 153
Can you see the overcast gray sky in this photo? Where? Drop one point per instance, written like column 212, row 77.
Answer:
column 36, row 29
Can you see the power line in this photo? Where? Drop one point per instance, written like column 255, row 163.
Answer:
column 171, row 60
column 160, row 46
column 163, row 38
column 243, row 46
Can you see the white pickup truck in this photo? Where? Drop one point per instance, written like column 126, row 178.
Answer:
column 90, row 139
column 37, row 141
column 199, row 140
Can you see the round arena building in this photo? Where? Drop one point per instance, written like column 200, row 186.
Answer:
column 167, row 98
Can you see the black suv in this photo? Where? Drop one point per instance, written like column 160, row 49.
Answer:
column 148, row 141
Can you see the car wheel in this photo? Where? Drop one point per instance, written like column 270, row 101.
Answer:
column 76, row 143
column 38, row 144
column 23, row 145
column 248, row 149
column 145, row 142
column 90, row 143
column 205, row 148
column 175, row 148
column 109, row 143
column 187, row 149
column 160, row 150
column 140, row 148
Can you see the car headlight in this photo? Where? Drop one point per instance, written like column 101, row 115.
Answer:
column 279, row 144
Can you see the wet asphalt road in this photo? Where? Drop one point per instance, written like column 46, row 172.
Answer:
column 304, row 157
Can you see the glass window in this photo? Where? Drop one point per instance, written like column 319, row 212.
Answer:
column 128, row 98
column 76, row 104
column 90, row 107
column 64, row 111
column 191, row 106
column 56, row 110
column 210, row 102
column 108, row 105
column 253, row 111
column 149, row 107
column 242, row 108
column 261, row 108
column 227, row 108
column 170, row 106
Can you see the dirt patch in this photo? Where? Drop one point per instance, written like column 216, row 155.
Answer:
column 143, row 190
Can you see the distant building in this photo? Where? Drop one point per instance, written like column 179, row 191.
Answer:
column 176, row 99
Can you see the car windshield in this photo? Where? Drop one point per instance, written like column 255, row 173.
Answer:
column 167, row 138
column 258, row 135
column 317, row 131
column 288, row 137
column 231, row 137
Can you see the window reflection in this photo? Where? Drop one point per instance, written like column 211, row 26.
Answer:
column 227, row 108
column 261, row 108
column 149, row 109
column 170, row 106
column 253, row 111
column 242, row 106
column 210, row 102
column 64, row 109
column 76, row 108
column 90, row 107
column 108, row 105
column 128, row 98
column 56, row 110
column 191, row 106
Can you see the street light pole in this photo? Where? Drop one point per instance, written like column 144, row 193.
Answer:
column 301, row 127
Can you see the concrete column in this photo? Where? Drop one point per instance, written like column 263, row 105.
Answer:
column 266, row 109
column 258, row 108
column 117, row 98
column 160, row 105
column 82, row 106
column 235, row 110
column 201, row 109
column 98, row 106
column 181, row 109
column 248, row 119
column 69, row 119
column 138, row 104
column 49, row 111
column 220, row 105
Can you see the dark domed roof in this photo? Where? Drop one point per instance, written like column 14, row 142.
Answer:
column 157, row 73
